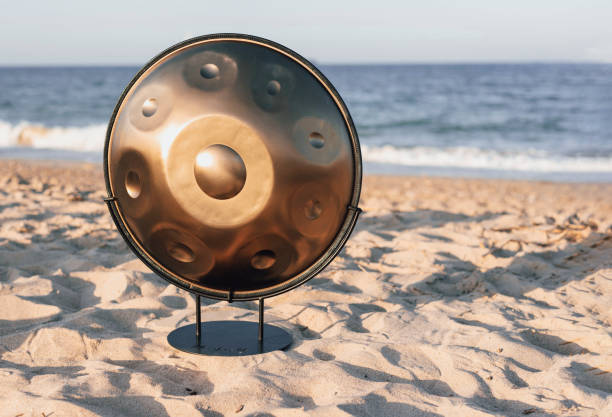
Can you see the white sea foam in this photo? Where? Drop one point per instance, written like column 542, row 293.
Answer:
column 466, row 157
column 91, row 139
column 87, row 138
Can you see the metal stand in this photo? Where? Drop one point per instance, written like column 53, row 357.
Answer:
column 229, row 338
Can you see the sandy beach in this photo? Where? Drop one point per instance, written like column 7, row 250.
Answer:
column 453, row 297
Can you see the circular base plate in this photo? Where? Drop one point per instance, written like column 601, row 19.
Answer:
column 229, row 338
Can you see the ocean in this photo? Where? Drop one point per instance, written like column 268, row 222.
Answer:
column 518, row 121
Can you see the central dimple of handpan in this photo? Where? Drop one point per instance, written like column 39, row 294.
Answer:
column 219, row 171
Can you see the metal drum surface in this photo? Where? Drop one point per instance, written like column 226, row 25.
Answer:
column 232, row 167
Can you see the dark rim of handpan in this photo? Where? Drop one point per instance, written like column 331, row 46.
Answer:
column 352, row 211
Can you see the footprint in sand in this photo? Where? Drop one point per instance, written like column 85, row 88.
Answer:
column 322, row 355
column 591, row 376
column 553, row 343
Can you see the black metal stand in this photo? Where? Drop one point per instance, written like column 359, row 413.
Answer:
column 229, row 338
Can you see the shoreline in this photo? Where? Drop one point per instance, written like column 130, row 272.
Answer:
column 368, row 172
column 596, row 175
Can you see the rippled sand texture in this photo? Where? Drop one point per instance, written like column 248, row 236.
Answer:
column 453, row 297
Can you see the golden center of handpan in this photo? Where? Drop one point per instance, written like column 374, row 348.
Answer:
column 220, row 171
column 207, row 168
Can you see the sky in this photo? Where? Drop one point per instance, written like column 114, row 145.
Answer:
column 130, row 32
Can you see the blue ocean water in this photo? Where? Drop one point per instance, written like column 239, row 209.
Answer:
column 534, row 121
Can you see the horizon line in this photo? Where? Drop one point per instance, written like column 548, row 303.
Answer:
column 331, row 63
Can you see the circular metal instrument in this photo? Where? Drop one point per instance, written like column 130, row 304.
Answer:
column 232, row 167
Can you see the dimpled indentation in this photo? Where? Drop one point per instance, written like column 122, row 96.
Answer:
column 272, row 87
column 316, row 140
column 313, row 209
column 263, row 259
column 265, row 256
column 180, row 252
column 209, row 71
column 133, row 184
column 149, row 107
column 131, row 176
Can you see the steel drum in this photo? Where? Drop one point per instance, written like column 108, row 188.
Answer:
column 232, row 167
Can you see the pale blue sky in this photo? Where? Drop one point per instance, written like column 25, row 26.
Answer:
column 131, row 32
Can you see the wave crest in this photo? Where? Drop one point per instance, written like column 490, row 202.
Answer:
column 86, row 138
column 475, row 158
column 91, row 139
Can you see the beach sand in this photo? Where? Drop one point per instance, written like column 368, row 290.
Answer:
column 453, row 297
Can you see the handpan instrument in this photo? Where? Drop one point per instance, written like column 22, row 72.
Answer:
column 233, row 171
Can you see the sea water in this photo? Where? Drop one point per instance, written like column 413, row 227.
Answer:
column 527, row 121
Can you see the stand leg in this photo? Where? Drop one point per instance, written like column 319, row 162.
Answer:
column 261, row 323
column 198, row 321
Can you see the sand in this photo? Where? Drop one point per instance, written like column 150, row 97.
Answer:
column 453, row 297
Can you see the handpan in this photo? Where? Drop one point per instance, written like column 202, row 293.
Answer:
column 232, row 167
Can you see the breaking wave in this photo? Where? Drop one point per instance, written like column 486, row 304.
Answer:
column 90, row 139
column 86, row 139
column 475, row 158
